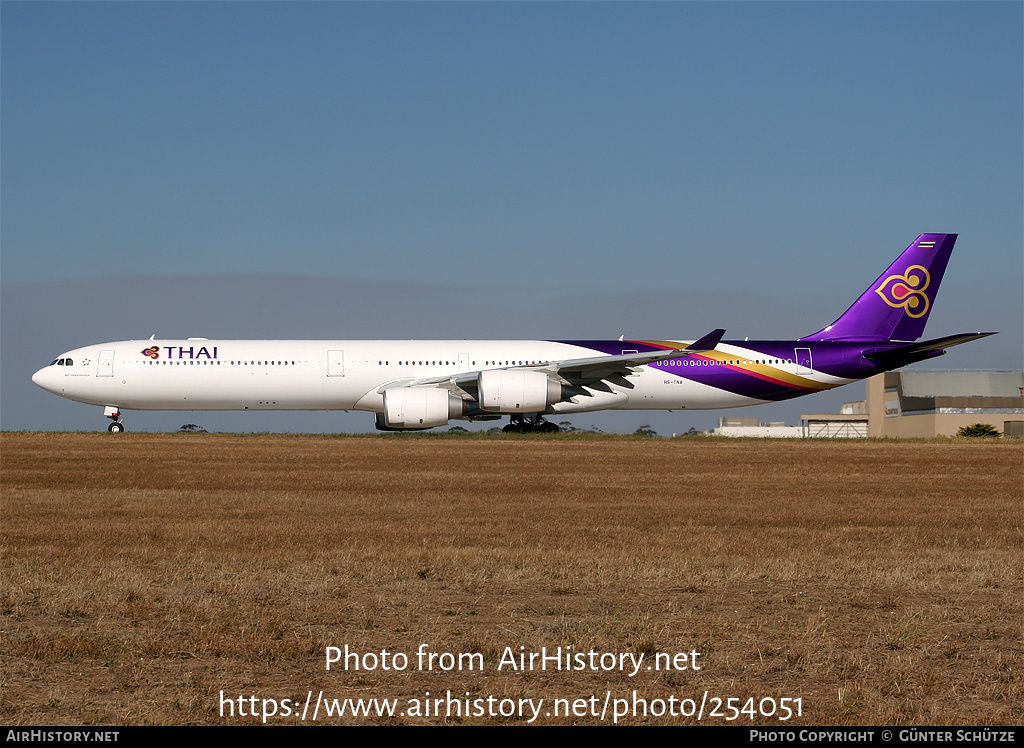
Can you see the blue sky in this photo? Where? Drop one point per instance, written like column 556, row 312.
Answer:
column 549, row 169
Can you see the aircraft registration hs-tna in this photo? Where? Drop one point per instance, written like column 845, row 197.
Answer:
column 424, row 384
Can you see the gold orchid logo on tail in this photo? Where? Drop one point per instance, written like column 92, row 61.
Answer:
column 907, row 291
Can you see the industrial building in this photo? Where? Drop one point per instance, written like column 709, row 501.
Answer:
column 928, row 403
column 749, row 426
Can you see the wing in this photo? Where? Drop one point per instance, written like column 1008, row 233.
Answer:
column 596, row 372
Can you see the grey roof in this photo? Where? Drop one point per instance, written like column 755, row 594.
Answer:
column 962, row 383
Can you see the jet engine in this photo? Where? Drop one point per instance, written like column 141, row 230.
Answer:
column 419, row 407
column 517, row 391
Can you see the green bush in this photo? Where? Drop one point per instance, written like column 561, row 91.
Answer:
column 978, row 429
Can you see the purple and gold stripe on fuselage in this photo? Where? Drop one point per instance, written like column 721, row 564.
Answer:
column 746, row 370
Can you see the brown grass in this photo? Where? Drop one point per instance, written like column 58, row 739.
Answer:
column 881, row 582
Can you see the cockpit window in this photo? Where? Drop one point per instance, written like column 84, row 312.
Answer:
column 62, row 362
column 54, row 362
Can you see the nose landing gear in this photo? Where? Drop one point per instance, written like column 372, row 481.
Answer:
column 116, row 427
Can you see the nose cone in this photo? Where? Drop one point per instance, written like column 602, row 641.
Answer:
column 47, row 379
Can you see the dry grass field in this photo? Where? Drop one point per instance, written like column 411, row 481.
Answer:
column 146, row 579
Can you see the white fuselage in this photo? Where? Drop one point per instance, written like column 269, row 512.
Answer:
column 199, row 374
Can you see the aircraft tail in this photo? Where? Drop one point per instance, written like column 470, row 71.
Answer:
column 896, row 306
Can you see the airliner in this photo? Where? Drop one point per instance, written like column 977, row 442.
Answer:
column 425, row 384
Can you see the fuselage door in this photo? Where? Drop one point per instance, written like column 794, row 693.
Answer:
column 105, row 364
column 335, row 363
column 803, row 360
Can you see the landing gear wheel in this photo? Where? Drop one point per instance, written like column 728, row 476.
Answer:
column 116, row 427
column 532, row 424
column 517, row 425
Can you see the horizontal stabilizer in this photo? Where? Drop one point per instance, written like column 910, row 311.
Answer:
column 926, row 346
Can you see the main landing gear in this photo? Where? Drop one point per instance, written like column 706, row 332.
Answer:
column 531, row 424
column 116, row 427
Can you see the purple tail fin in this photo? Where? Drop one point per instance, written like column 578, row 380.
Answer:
column 896, row 306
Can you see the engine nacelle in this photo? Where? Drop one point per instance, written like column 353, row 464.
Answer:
column 420, row 407
column 517, row 391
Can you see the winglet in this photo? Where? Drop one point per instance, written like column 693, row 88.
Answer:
column 707, row 343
